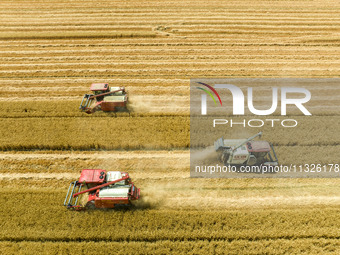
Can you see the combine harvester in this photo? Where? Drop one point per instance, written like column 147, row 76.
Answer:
column 106, row 190
column 246, row 152
column 104, row 98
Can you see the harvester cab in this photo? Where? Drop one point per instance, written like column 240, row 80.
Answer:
column 99, row 88
column 246, row 151
column 104, row 98
column 105, row 190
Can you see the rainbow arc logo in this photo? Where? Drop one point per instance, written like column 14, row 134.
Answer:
column 209, row 93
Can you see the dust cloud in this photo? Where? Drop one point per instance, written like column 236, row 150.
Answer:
column 207, row 155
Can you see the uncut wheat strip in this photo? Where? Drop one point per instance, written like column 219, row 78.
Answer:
column 118, row 80
column 317, row 101
column 169, row 67
column 162, row 10
column 155, row 108
column 181, row 7
column 251, row 73
column 179, row 186
column 164, row 51
column 298, row 245
column 212, row 58
column 58, row 176
column 135, row 87
column 205, row 59
column 134, row 94
column 105, row 155
column 174, row 28
column 174, row 196
column 170, row 4
column 267, row 68
column 254, row 202
column 256, row 24
column 241, row 44
column 143, row 42
column 44, row 89
column 155, row 225
column 178, row 69
column 72, row 35
column 35, row 98
column 132, row 133
column 158, row 83
column 159, row 64
column 188, row 21
column 150, row 4
column 194, row 43
column 328, row 91
column 205, row 197
column 153, row 64
column 154, row 22
column 67, row 88
column 76, row 28
column 150, row 60
column 273, row 35
column 242, row 187
column 170, row 14
column 74, row 176
column 208, row 24
column 178, row 44
column 152, row 41
column 257, row 29
column 139, row 101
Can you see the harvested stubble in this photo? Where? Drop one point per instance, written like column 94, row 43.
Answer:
column 193, row 39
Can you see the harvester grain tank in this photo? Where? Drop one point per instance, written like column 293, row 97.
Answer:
column 246, row 151
column 105, row 190
column 104, row 98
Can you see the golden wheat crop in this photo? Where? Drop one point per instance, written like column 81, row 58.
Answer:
column 51, row 51
column 32, row 215
column 63, row 162
column 94, row 133
column 296, row 246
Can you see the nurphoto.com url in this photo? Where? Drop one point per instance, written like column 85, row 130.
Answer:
column 263, row 169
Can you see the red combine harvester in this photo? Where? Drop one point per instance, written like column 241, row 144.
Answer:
column 247, row 152
column 106, row 190
column 104, row 98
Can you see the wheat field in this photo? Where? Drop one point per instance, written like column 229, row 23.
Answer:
column 50, row 53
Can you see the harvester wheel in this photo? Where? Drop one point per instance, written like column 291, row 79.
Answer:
column 90, row 205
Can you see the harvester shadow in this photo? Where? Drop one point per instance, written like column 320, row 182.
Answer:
column 138, row 206
column 121, row 209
